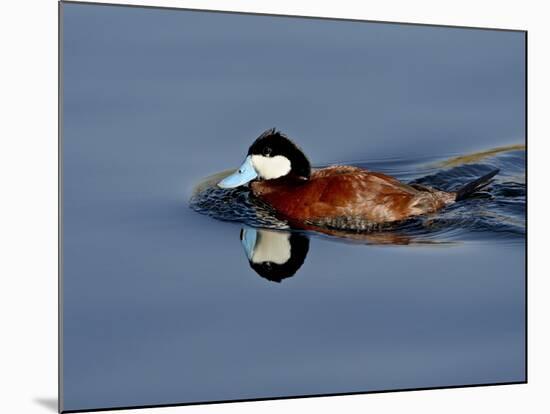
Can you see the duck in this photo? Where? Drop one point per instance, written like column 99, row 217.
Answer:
column 340, row 197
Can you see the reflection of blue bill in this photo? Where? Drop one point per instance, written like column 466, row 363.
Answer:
column 248, row 241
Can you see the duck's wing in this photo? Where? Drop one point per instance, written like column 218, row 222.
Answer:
column 361, row 195
column 370, row 198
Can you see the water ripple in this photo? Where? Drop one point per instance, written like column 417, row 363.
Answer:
column 495, row 214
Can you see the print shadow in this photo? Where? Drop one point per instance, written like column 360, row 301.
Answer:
column 49, row 403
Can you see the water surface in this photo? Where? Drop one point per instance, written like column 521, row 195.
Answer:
column 160, row 303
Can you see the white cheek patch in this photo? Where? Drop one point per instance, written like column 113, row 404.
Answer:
column 270, row 168
column 271, row 246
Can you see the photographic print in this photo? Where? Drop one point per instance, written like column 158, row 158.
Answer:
column 258, row 206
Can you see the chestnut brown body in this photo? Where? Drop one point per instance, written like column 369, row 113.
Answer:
column 348, row 197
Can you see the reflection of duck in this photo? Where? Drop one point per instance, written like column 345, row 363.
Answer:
column 278, row 254
column 274, row 255
column 338, row 197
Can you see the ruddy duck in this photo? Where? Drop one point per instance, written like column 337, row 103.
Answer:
column 341, row 197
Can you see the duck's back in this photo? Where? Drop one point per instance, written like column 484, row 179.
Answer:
column 348, row 197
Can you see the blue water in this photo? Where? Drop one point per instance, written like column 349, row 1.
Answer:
column 160, row 303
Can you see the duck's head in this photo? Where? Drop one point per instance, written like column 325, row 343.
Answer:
column 270, row 157
column 274, row 255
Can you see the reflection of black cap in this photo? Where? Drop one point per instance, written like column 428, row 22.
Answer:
column 274, row 271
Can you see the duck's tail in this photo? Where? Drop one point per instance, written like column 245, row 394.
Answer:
column 476, row 185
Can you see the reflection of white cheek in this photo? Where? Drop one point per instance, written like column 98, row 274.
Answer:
column 272, row 247
column 270, row 168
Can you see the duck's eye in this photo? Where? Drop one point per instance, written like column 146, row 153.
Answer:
column 267, row 151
